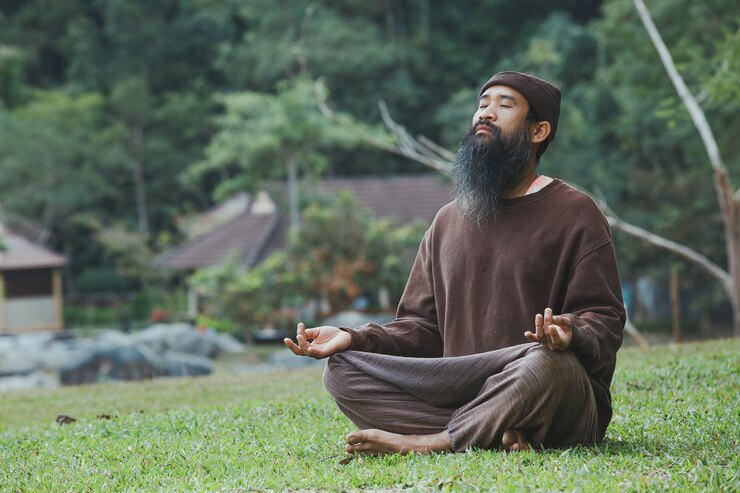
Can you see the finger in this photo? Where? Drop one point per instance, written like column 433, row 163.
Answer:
column 293, row 347
column 554, row 335
column 531, row 337
column 562, row 322
column 547, row 323
column 538, row 326
column 303, row 343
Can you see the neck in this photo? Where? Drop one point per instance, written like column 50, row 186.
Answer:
column 521, row 188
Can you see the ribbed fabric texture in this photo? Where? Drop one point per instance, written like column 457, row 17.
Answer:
column 543, row 98
column 545, row 394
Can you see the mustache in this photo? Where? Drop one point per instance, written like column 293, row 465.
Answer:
column 496, row 131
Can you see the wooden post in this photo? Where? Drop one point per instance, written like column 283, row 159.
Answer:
column 2, row 303
column 56, row 283
column 675, row 306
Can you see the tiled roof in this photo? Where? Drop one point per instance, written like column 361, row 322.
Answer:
column 402, row 198
column 21, row 253
column 243, row 237
column 252, row 237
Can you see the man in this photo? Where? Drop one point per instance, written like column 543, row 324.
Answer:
column 458, row 368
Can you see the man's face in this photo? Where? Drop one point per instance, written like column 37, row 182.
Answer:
column 503, row 107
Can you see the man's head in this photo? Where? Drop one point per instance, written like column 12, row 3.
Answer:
column 516, row 119
column 543, row 101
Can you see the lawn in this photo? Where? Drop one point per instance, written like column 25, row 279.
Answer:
column 676, row 427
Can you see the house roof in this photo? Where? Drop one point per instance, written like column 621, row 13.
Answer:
column 21, row 253
column 251, row 237
column 243, row 237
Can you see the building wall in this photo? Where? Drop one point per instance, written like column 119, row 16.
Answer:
column 30, row 299
column 30, row 313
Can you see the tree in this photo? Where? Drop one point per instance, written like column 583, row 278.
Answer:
column 729, row 201
column 341, row 252
column 264, row 136
column 48, row 168
column 437, row 157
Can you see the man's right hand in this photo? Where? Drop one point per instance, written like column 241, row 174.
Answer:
column 319, row 342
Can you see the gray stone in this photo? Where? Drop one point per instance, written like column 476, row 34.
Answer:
column 181, row 338
column 185, row 365
column 108, row 361
column 35, row 379
column 18, row 365
column 352, row 318
column 285, row 359
column 229, row 344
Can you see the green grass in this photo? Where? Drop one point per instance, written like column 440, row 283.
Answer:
column 676, row 428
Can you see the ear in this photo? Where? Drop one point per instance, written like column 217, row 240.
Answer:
column 540, row 132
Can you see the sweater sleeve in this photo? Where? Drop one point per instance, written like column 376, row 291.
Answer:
column 415, row 331
column 594, row 305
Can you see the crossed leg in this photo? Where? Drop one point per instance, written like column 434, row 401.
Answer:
column 502, row 399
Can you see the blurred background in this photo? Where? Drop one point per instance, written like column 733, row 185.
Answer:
column 224, row 164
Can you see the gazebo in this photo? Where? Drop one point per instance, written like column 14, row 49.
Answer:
column 30, row 286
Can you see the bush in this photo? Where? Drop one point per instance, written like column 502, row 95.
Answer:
column 341, row 253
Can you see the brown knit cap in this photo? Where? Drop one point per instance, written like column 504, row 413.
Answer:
column 543, row 98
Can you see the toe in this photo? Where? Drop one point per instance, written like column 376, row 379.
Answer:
column 508, row 439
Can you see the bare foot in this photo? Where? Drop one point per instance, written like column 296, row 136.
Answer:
column 378, row 442
column 514, row 440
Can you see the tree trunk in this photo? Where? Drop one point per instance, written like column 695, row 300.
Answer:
column 675, row 306
column 730, row 206
column 293, row 198
column 139, row 180
column 729, row 203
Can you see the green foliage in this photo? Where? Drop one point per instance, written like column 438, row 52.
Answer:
column 675, row 428
column 130, row 253
column 661, row 177
column 47, row 166
column 135, row 112
column 11, row 76
column 101, row 280
column 260, row 135
column 341, row 252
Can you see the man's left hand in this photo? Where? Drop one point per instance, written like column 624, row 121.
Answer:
column 552, row 331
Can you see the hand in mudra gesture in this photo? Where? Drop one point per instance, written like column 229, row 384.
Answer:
column 319, row 342
column 552, row 331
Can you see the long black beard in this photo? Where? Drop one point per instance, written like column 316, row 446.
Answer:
column 486, row 166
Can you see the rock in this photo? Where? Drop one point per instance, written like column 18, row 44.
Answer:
column 229, row 344
column 33, row 380
column 18, row 365
column 128, row 361
column 285, row 359
column 181, row 338
column 352, row 318
column 111, row 362
column 185, row 365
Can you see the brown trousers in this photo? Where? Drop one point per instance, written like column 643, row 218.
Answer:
column 545, row 394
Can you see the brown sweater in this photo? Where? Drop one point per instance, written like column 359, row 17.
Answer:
column 475, row 289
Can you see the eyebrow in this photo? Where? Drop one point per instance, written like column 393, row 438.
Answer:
column 506, row 97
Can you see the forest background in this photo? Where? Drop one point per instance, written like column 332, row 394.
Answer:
column 116, row 115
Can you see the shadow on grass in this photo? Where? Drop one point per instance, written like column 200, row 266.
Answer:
column 632, row 447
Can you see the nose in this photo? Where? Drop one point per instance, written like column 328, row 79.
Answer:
column 488, row 113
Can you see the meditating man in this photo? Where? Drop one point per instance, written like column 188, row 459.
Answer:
column 507, row 332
